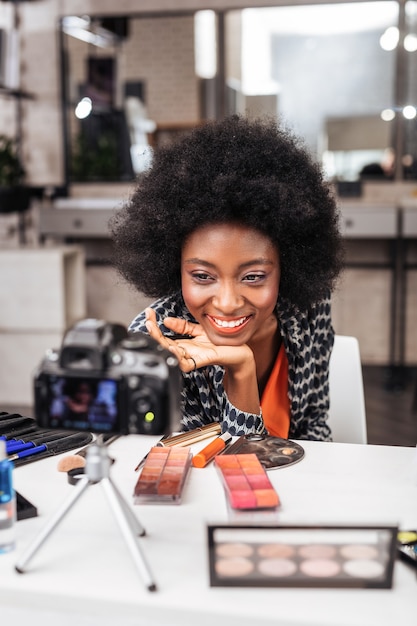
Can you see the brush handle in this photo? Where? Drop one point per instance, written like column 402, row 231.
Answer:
column 192, row 436
column 29, row 452
column 18, row 446
column 55, row 447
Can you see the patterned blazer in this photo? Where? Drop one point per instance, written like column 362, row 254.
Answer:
column 308, row 338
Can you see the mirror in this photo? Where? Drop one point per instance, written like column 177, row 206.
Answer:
column 329, row 71
column 130, row 84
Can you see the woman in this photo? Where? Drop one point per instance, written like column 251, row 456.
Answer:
column 235, row 232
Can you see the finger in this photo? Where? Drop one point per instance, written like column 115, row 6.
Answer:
column 183, row 327
column 154, row 330
column 156, row 334
column 150, row 317
column 186, row 362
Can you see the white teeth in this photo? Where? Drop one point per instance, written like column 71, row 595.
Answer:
column 231, row 324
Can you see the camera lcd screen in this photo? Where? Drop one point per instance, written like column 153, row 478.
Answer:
column 77, row 403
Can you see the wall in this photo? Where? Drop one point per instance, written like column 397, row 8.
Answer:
column 361, row 304
column 40, row 70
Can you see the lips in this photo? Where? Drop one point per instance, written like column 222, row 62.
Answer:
column 228, row 326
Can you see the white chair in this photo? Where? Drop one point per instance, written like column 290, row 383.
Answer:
column 347, row 416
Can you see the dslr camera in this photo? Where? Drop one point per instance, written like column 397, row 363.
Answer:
column 106, row 380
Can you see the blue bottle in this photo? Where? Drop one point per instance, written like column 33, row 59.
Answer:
column 7, row 502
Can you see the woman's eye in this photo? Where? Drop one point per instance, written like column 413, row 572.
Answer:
column 253, row 278
column 201, row 277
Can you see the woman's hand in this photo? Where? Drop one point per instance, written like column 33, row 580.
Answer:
column 240, row 380
column 197, row 351
column 186, row 359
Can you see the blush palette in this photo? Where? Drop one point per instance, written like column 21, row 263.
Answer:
column 246, row 483
column 163, row 475
column 301, row 556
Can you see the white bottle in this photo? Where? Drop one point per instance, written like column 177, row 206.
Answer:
column 7, row 502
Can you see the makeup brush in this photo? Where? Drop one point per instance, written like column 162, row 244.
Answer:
column 24, row 431
column 17, row 445
column 77, row 460
column 55, row 447
column 73, row 461
column 185, row 439
column 12, row 426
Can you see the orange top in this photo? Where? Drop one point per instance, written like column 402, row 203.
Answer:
column 275, row 402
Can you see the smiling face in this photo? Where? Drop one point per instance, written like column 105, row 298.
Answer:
column 230, row 281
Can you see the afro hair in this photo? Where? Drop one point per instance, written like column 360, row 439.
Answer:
column 236, row 170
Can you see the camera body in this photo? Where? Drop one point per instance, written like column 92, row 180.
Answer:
column 106, row 380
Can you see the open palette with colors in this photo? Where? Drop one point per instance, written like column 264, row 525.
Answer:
column 246, row 483
column 301, row 556
column 163, row 476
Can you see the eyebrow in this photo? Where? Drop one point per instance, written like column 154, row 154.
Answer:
column 260, row 261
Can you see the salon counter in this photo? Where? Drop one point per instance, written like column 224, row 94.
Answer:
column 85, row 575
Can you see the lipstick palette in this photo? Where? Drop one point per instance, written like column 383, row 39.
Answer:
column 163, row 476
column 246, row 483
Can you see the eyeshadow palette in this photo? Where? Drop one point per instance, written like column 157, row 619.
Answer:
column 163, row 476
column 301, row 556
column 272, row 452
column 246, row 483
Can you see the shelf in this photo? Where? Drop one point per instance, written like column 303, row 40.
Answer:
column 16, row 93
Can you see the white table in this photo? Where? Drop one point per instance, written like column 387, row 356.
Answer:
column 84, row 574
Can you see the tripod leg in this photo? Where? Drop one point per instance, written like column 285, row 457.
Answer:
column 119, row 511
column 51, row 525
column 134, row 523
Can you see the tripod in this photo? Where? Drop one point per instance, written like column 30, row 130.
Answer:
column 97, row 470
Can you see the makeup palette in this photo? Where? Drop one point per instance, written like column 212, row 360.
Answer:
column 246, row 483
column 163, row 476
column 301, row 556
column 272, row 452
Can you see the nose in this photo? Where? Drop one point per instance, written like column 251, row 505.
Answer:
column 227, row 298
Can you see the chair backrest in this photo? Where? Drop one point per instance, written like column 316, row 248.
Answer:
column 347, row 416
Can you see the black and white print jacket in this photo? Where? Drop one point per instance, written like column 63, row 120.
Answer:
column 308, row 338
